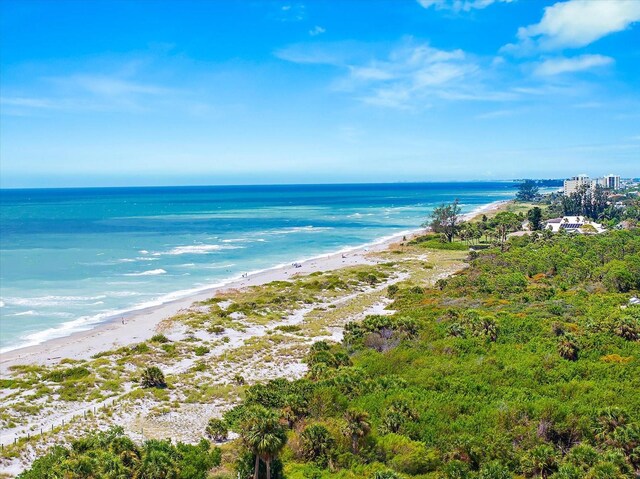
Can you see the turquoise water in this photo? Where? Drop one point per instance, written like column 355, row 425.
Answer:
column 70, row 258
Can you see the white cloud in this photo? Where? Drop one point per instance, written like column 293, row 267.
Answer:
column 576, row 23
column 407, row 76
column 317, row 30
column 111, row 86
column 291, row 13
column 27, row 102
column 557, row 66
column 460, row 5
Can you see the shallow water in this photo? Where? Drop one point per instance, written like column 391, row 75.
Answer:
column 70, row 258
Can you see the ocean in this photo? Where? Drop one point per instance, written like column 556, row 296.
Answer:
column 71, row 258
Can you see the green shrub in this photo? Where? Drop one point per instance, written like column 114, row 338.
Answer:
column 152, row 377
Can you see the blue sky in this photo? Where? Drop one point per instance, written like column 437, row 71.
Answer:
column 145, row 93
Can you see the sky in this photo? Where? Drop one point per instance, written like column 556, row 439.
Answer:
column 114, row 93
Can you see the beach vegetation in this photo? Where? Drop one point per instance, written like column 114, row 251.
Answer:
column 435, row 241
column 159, row 338
column 111, row 454
column 60, row 375
column 201, row 350
column 524, row 364
column 217, row 430
column 507, row 369
column 445, row 220
column 152, row 377
column 264, row 436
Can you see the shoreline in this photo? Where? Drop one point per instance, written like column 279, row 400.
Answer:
column 137, row 325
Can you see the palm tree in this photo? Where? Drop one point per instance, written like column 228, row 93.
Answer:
column 217, row 430
column 152, row 377
column 568, row 349
column 358, row 426
column 318, row 445
column 265, row 436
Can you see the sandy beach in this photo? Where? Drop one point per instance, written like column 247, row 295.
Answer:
column 136, row 326
column 140, row 325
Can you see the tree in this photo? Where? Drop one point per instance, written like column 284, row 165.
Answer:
column 152, row 377
column 534, row 215
column 388, row 474
column 358, row 426
column 217, row 430
column 504, row 223
column 318, row 444
column 527, row 191
column 265, row 436
column 445, row 219
column 567, row 348
column 589, row 202
column 541, row 460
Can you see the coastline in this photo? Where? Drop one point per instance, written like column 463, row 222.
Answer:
column 140, row 324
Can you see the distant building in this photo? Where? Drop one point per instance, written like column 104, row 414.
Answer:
column 612, row 182
column 574, row 184
column 609, row 182
column 574, row 224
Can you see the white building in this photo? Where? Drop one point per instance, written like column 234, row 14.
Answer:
column 609, row 182
column 574, row 184
column 574, row 224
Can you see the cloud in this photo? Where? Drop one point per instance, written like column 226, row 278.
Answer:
column 460, row 5
column 558, row 66
column 291, row 13
column 110, row 86
column 574, row 24
column 27, row 102
column 409, row 75
column 317, row 30
column 496, row 114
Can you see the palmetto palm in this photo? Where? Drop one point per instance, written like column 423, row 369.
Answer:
column 358, row 426
column 266, row 437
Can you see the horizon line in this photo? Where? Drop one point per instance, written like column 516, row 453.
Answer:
column 235, row 185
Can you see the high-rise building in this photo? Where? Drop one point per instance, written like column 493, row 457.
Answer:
column 574, row 184
column 612, row 182
column 608, row 182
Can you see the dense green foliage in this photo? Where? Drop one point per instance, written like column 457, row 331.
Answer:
column 589, row 202
column 527, row 191
column 112, row 455
column 524, row 365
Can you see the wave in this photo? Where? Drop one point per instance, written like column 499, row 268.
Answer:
column 52, row 300
column 218, row 266
column 196, row 249
column 152, row 272
column 36, row 313
column 1, row 304
column 122, row 294
column 293, row 229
